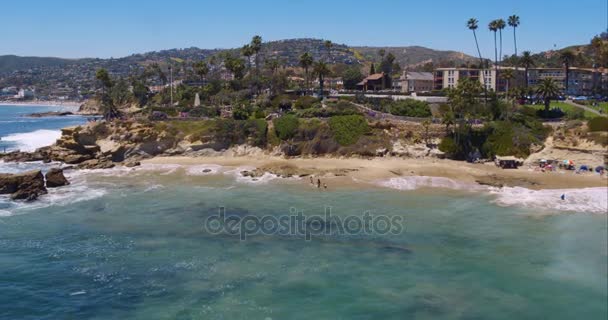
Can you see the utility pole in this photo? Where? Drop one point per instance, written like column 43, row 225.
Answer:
column 171, row 79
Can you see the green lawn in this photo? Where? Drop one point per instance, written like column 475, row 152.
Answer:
column 565, row 108
column 603, row 107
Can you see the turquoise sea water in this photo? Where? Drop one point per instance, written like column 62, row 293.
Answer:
column 131, row 245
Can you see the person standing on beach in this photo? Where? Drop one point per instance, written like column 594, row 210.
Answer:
column 319, row 183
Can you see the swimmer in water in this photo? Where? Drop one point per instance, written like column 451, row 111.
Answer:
column 563, row 196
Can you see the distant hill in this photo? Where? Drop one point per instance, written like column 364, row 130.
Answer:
column 415, row 55
column 11, row 63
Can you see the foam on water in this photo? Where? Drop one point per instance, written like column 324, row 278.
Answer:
column 30, row 141
column 591, row 200
column 203, row 170
column 588, row 200
column 417, row 182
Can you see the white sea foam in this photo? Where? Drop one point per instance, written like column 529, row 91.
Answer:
column 31, row 141
column 417, row 182
column 208, row 169
column 590, row 200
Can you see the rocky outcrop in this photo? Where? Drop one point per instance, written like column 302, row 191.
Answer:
column 90, row 107
column 55, row 178
column 24, row 186
column 50, row 114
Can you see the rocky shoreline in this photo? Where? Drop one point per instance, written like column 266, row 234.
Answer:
column 30, row 185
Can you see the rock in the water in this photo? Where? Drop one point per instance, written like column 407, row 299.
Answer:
column 55, row 178
column 24, row 186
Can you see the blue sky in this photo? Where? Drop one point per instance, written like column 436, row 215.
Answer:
column 113, row 28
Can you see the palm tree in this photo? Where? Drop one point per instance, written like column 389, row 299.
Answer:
column 526, row 61
column 306, row 60
column 500, row 25
column 548, row 90
column 508, row 75
column 201, row 69
column 321, row 70
column 256, row 47
column 328, row 45
column 567, row 57
column 493, row 26
column 514, row 22
column 472, row 25
column 247, row 51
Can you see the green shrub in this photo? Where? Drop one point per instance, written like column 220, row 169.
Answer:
column 410, row 108
column 286, row 126
column 448, row 145
column 282, row 102
column 305, row 102
column 348, row 129
column 230, row 132
column 598, row 124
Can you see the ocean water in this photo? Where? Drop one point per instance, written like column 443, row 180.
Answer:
column 18, row 132
column 131, row 244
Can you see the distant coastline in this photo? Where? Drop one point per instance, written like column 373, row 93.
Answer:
column 41, row 103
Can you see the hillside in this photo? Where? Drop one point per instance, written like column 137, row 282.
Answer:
column 415, row 55
column 11, row 63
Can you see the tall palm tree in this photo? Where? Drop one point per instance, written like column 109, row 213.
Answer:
column 328, row 45
column 500, row 25
column 526, row 61
column 472, row 25
column 567, row 57
column 514, row 22
column 306, row 60
column 247, row 51
column 256, row 47
column 493, row 26
column 321, row 70
column 548, row 90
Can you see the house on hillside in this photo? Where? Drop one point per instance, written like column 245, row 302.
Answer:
column 375, row 82
column 416, row 81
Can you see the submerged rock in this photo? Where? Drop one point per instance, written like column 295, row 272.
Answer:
column 55, row 178
column 23, row 186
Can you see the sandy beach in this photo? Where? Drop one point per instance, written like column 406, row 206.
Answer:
column 72, row 104
column 347, row 170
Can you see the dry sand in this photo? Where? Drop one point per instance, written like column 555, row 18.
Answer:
column 346, row 170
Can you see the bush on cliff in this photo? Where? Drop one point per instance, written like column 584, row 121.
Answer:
column 348, row 129
column 229, row 132
column 286, row 126
column 410, row 108
column 598, row 124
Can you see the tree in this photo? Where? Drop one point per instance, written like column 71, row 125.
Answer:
column 235, row 65
column 472, row 25
column 328, row 45
column 548, row 90
column 321, row 70
column 508, row 75
column 526, row 61
column 500, row 25
column 381, row 53
column 201, row 69
column 387, row 63
column 247, row 51
column 426, row 124
column 372, row 69
column 256, row 47
column 493, row 26
column 306, row 61
column 567, row 57
column 514, row 23
column 351, row 77
column 104, row 77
